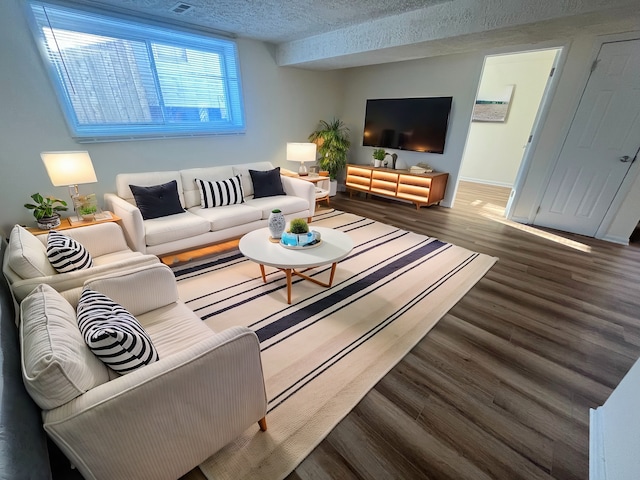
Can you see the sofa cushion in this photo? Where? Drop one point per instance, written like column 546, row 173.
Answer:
column 157, row 200
column 266, row 183
column 27, row 256
column 99, row 239
column 288, row 204
column 113, row 334
column 146, row 179
column 57, row 365
column 243, row 171
column 229, row 216
column 175, row 227
column 174, row 328
column 66, row 254
column 220, row 193
column 212, row 174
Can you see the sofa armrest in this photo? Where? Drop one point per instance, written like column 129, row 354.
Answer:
column 302, row 189
column 131, row 220
column 70, row 280
column 164, row 419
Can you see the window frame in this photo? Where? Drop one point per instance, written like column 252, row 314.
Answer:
column 136, row 30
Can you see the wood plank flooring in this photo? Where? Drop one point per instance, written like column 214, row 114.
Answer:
column 501, row 387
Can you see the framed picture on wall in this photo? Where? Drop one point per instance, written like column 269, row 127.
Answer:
column 493, row 106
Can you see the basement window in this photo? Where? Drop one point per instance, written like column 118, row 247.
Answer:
column 118, row 79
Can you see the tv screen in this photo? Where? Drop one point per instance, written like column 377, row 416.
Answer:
column 417, row 124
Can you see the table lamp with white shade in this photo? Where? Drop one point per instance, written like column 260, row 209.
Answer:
column 70, row 169
column 301, row 152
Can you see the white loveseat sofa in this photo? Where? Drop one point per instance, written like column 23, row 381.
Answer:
column 26, row 264
column 198, row 226
column 159, row 421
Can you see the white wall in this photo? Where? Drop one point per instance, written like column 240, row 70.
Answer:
column 453, row 75
column 613, row 436
column 281, row 105
column 494, row 150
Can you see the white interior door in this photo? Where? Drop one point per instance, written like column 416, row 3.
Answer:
column 602, row 142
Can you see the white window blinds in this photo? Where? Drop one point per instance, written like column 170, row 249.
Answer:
column 118, row 79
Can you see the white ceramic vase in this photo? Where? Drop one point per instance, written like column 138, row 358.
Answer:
column 277, row 223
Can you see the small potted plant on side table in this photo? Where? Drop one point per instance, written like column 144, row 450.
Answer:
column 45, row 210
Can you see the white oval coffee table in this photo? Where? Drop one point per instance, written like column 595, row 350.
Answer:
column 335, row 246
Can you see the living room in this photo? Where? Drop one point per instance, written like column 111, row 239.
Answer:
column 284, row 104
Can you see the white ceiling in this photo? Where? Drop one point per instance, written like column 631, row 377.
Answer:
column 325, row 34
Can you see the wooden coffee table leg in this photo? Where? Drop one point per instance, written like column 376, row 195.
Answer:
column 287, row 272
column 264, row 277
column 333, row 271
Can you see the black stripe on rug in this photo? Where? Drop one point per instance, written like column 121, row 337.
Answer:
column 298, row 316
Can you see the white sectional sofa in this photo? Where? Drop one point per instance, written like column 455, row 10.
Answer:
column 199, row 226
column 160, row 420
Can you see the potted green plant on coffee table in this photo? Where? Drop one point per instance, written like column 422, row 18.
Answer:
column 45, row 210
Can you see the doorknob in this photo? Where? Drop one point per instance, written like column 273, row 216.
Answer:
column 625, row 159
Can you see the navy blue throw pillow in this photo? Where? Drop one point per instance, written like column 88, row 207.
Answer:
column 158, row 200
column 266, row 183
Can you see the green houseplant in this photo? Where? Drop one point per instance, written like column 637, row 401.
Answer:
column 298, row 226
column 379, row 154
column 45, row 210
column 332, row 139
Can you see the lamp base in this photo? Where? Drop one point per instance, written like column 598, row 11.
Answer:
column 302, row 171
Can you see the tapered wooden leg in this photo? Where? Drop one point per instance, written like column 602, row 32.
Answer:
column 309, row 219
column 263, row 424
column 287, row 271
column 264, row 277
column 333, row 271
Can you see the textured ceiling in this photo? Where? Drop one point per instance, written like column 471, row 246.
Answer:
column 327, row 34
column 273, row 21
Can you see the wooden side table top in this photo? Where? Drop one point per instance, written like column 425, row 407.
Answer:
column 65, row 223
column 308, row 178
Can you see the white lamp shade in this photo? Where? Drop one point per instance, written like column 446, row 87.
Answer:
column 301, row 152
column 69, row 168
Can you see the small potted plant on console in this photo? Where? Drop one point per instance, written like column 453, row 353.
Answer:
column 379, row 155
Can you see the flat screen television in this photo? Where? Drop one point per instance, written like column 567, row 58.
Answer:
column 416, row 124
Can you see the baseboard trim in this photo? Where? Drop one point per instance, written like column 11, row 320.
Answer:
column 615, row 239
column 486, row 182
column 597, row 469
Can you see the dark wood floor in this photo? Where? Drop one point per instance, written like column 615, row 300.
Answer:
column 501, row 387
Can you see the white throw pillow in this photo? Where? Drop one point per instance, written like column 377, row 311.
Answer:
column 220, row 193
column 57, row 365
column 113, row 334
column 66, row 254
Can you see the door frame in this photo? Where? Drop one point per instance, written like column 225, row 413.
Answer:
column 626, row 184
column 536, row 129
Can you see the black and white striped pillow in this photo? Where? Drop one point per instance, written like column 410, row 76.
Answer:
column 221, row 193
column 113, row 334
column 66, row 254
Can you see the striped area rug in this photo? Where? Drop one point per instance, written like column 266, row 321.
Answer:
column 326, row 350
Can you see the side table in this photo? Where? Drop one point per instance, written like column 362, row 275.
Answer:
column 322, row 194
column 65, row 223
